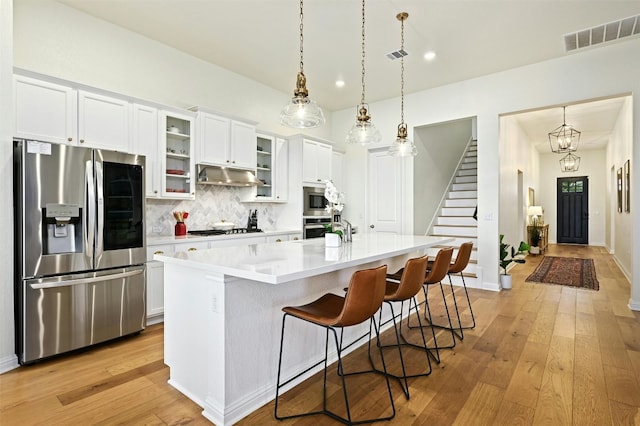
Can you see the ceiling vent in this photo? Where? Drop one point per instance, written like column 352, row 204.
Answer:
column 397, row 54
column 602, row 33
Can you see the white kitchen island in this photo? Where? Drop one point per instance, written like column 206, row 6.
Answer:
column 223, row 313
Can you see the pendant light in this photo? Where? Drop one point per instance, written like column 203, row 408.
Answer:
column 402, row 146
column 301, row 112
column 570, row 163
column 363, row 131
column 564, row 138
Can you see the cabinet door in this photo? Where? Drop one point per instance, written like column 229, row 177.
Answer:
column 176, row 145
column 213, row 140
column 281, row 179
column 155, row 292
column 323, row 162
column 337, row 170
column 243, row 145
column 103, row 122
column 144, row 139
column 44, row 111
column 309, row 161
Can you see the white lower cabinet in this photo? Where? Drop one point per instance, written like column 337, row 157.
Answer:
column 155, row 269
column 155, row 292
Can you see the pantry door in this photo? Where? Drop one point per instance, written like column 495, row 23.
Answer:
column 384, row 192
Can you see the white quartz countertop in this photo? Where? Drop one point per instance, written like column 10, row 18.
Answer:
column 276, row 263
column 170, row 239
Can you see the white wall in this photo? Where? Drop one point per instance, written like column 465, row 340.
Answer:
column 517, row 155
column 603, row 71
column 624, row 224
column 440, row 147
column 7, row 344
column 593, row 165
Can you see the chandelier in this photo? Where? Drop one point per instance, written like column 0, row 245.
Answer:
column 402, row 146
column 363, row 131
column 301, row 112
column 564, row 138
column 570, row 163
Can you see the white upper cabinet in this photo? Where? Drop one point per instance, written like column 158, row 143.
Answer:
column 57, row 113
column 316, row 161
column 177, row 146
column 243, row 145
column 44, row 111
column 281, row 174
column 226, row 142
column 272, row 169
column 103, row 122
column 337, row 170
column 144, row 138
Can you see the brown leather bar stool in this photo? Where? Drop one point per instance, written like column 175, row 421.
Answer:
column 410, row 284
column 461, row 262
column 434, row 276
column 363, row 299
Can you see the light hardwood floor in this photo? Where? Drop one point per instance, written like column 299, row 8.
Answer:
column 540, row 355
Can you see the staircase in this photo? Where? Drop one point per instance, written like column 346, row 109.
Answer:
column 456, row 212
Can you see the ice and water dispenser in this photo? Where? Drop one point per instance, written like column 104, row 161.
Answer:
column 62, row 228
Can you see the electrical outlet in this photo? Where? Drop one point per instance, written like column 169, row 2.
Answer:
column 156, row 229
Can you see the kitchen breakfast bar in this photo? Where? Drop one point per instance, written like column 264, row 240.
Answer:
column 223, row 313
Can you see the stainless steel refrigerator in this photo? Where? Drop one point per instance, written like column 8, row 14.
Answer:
column 79, row 247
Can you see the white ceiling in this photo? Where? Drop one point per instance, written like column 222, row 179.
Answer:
column 260, row 40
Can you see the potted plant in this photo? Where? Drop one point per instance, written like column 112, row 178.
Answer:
column 508, row 255
column 535, row 238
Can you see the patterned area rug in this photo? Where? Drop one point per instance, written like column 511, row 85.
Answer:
column 569, row 271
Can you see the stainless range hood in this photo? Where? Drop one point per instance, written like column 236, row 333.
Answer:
column 226, row 176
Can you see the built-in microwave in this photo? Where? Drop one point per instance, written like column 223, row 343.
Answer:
column 314, row 202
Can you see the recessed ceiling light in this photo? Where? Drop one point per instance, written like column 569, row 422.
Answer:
column 430, row 55
column 339, row 83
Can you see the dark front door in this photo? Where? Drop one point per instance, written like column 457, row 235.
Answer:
column 573, row 210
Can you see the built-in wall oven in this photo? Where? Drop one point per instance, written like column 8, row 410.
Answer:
column 314, row 227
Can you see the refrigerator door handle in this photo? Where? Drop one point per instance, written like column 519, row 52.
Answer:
column 100, row 212
column 89, row 224
column 89, row 280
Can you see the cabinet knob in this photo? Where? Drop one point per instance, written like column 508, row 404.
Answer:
column 227, row 161
column 234, row 161
column 192, row 249
column 155, row 191
column 277, row 196
column 158, row 252
column 81, row 140
column 295, row 238
column 372, row 226
column 278, row 240
column 70, row 139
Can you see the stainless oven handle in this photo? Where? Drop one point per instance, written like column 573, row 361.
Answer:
column 89, row 280
column 314, row 226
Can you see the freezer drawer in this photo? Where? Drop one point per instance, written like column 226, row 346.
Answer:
column 68, row 312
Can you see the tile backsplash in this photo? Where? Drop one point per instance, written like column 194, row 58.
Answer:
column 212, row 204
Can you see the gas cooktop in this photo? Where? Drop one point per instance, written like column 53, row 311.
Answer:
column 224, row 232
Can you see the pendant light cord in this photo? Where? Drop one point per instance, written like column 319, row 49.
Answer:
column 301, row 36
column 363, row 55
column 402, row 71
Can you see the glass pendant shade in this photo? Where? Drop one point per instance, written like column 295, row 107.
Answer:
column 363, row 131
column 570, row 163
column 403, row 146
column 564, row 138
column 301, row 113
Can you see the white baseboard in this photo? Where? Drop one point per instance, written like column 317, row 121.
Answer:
column 155, row 319
column 634, row 305
column 8, row 363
